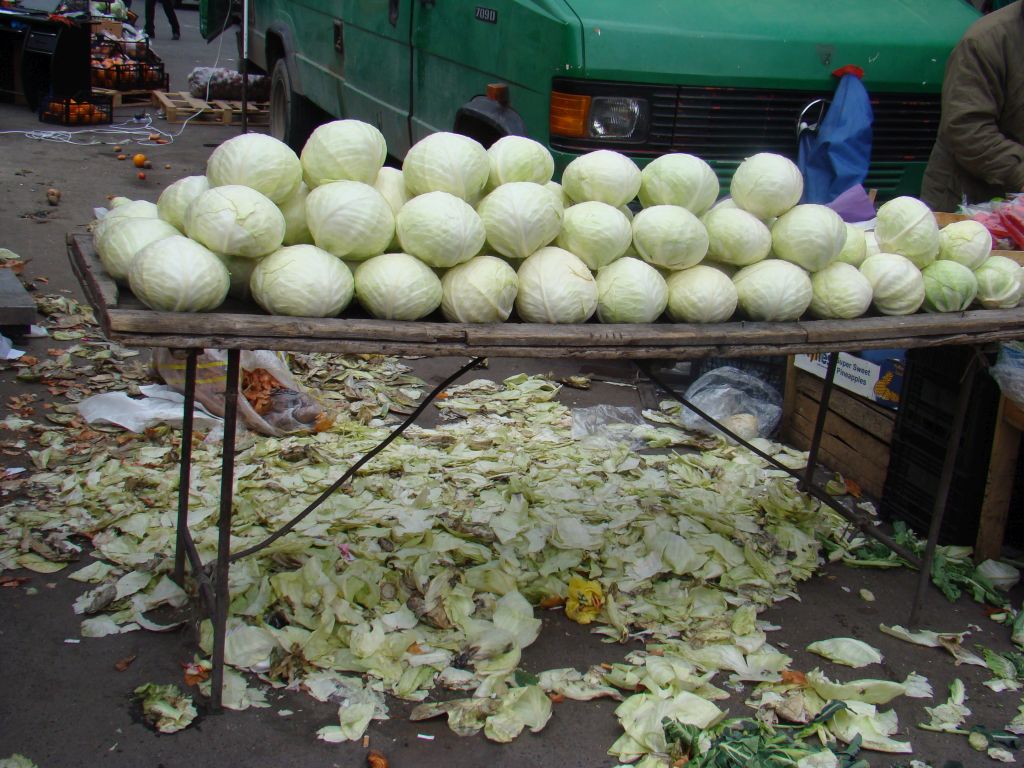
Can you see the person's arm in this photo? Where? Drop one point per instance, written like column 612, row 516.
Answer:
column 972, row 98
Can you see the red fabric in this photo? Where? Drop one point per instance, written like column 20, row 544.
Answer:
column 849, row 69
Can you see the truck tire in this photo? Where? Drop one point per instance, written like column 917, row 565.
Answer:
column 292, row 116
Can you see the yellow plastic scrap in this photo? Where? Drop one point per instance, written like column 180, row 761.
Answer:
column 585, row 600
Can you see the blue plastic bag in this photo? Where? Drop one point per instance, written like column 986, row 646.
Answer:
column 835, row 154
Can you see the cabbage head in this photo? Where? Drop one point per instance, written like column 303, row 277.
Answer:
column 302, row 281
column 518, row 158
column 397, row 286
column 555, row 287
column 481, row 290
column 240, row 271
column 679, row 179
column 520, row 217
column 907, row 226
column 343, row 150
column 175, row 199
column 602, row 175
column 669, row 236
column 630, row 291
column 736, row 237
column 700, row 294
column 177, row 274
column 235, row 220
column 773, row 290
column 296, row 230
column 840, row 292
column 125, row 237
column 948, row 286
column 896, row 284
column 391, row 184
column 447, row 162
column 855, row 248
column 136, row 209
column 965, row 242
column 596, row 232
column 440, row 229
column 350, row 219
column 1000, row 283
column 767, row 185
column 557, row 188
column 811, row 236
column 258, row 161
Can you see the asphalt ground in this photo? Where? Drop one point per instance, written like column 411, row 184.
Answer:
column 64, row 704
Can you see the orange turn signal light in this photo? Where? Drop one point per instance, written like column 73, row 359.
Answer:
column 569, row 112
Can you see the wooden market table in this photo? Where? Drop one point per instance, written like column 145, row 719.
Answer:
column 238, row 326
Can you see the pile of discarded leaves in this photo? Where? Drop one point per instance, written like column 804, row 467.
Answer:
column 427, row 570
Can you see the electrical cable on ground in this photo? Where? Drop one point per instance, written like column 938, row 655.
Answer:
column 356, row 466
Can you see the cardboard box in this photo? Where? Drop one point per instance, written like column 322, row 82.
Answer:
column 108, row 27
column 876, row 375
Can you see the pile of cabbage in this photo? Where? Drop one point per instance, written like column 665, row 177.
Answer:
column 482, row 233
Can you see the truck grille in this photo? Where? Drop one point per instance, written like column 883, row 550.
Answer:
column 725, row 125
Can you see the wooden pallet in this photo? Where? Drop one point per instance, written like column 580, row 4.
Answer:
column 181, row 106
column 126, row 98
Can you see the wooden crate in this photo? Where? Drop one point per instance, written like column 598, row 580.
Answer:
column 181, row 106
column 126, row 98
column 857, row 434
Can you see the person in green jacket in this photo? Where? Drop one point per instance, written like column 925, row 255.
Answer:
column 979, row 151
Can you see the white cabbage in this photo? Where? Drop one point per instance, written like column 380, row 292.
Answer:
column 240, row 271
column 447, row 162
column 440, row 229
column 175, row 199
column 555, row 287
column 848, row 651
column 630, row 291
column 669, row 236
column 302, row 281
column 390, row 183
column 736, row 237
column 700, row 294
column 841, row 292
column 596, row 232
column 520, row 217
column 855, row 248
column 811, row 236
column 679, row 179
column 235, row 220
column 555, row 187
column 125, row 237
column 773, row 290
column 602, row 175
column 767, row 185
column 870, row 245
column 966, row 242
column 948, row 286
column 907, row 226
column 518, row 158
column 177, row 274
column 397, row 286
column 481, row 290
column 296, row 230
column 896, row 284
column 140, row 209
column 256, row 160
column 1000, row 283
column 343, row 150
column 350, row 219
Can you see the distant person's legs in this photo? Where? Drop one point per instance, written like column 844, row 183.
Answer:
column 150, row 11
column 172, row 18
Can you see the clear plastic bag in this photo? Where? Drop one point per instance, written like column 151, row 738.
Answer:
column 740, row 401
column 270, row 401
column 1009, row 371
column 609, row 423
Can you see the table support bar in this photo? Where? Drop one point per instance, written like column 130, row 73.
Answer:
column 185, row 472
column 819, row 423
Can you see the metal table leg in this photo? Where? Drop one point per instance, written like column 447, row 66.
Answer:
column 222, row 595
column 185, row 473
column 819, row 423
column 942, row 491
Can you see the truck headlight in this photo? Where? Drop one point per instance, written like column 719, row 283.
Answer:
column 618, row 118
column 599, row 117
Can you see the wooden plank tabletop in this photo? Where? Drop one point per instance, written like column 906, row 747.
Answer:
column 245, row 326
column 16, row 306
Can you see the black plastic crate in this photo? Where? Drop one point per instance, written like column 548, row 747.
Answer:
column 87, row 109
column 931, row 387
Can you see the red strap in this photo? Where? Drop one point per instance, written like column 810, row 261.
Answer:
column 849, row 69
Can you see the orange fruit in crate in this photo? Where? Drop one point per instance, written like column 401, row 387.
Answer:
column 139, row 160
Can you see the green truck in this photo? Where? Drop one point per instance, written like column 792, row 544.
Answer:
column 721, row 79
